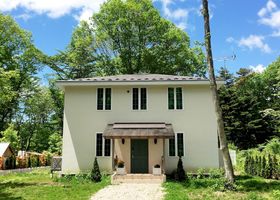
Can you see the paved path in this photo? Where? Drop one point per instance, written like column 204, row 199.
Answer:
column 130, row 191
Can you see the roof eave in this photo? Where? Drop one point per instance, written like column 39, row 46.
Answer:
column 63, row 84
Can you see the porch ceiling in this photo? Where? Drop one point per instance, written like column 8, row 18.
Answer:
column 138, row 130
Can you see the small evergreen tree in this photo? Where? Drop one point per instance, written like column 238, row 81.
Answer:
column 95, row 172
column 269, row 167
column 275, row 169
column 263, row 168
column 181, row 174
column 246, row 164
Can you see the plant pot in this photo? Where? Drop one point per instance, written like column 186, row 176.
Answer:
column 121, row 171
column 156, row 171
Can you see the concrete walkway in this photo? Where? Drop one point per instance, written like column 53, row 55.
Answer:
column 130, row 191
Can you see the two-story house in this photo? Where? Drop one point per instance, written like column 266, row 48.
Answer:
column 142, row 120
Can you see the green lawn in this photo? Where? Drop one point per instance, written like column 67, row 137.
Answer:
column 247, row 188
column 39, row 185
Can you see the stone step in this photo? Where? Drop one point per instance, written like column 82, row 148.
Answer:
column 137, row 178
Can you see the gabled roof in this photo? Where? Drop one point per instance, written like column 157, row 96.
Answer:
column 3, row 147
column 137, row 79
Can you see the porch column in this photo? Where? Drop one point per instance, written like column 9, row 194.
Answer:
column 163, row 156
column 113, row 154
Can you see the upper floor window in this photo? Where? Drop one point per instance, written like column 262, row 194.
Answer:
column 103, row 98
column 176, row 145
column 103, row 146
column 175, row 98
column 139, row 99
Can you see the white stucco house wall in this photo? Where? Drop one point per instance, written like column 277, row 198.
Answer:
column 142, row 120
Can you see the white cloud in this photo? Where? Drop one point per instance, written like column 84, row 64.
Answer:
column 258, row 69
column 180, row 13
column 23, row 16
column 54, row 8
column 230, row 39
column 253, row 42
column 270, row 16
column 182, row 25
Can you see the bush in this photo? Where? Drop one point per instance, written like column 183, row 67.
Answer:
column 181, row 174
column 120, row 164
column 200, row 173
column 95, row 173
column 216, row 173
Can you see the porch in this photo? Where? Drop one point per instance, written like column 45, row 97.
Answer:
column 140, row 147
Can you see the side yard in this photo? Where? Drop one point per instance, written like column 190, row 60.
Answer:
column 247, row 188
column 39, row 185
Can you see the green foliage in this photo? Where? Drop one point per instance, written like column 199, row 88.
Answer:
column 95, row 173
column 200, row 173
column 181, row 174
column 216, row 173
column 39, row 185
column 55, row 143
column 10, row 135
column 142, row 41
column 273, row 146
column 19, row 62
column 210, row 188
column 250, row 106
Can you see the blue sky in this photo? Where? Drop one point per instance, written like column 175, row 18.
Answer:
column 249, row 29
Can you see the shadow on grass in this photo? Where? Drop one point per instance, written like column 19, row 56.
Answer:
column 6, row 186
column 250, row 184
column 243, row 183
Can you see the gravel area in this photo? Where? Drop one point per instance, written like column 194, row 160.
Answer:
column 130, row 191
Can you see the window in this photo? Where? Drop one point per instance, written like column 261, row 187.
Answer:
column 100, row 143
column 180, row 144
column 107, row 147
column 175, row 98
column 139, row 99
column 176, row 145
column 103, row 99
column 172, row 147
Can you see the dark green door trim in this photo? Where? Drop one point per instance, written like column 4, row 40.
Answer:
column 139, row 156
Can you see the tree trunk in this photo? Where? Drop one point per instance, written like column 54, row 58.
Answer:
column 221, row 132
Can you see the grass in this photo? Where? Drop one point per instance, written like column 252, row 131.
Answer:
column 39, row 185
column 247, row 188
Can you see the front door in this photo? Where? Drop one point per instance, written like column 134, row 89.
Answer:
column 139, row 156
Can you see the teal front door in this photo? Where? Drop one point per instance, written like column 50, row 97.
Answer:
column 139, row 156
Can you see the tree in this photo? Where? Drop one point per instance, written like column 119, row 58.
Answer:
column 19, row 62
column 79, row 58
column 95, row 172
column 181, row 174
column 222, row 136
column 251, row 107
column 134, row 36
column 55, row 143
column 226, row 75
column 10, row 135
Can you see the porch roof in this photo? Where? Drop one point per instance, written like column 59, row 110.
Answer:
column 139, row 130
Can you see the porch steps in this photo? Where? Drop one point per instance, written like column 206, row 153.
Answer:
column 137, row 178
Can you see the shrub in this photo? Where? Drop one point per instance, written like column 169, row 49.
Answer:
column 157, row 166
column 215, row 173
column 181, row 174
column 200, row 173
column 120, row 164
column 95, row 173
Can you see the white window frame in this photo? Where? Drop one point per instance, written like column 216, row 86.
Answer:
column 175, row 98
column 176, row 145
column 104, row 100
column 103, row 146
column 139, row 99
